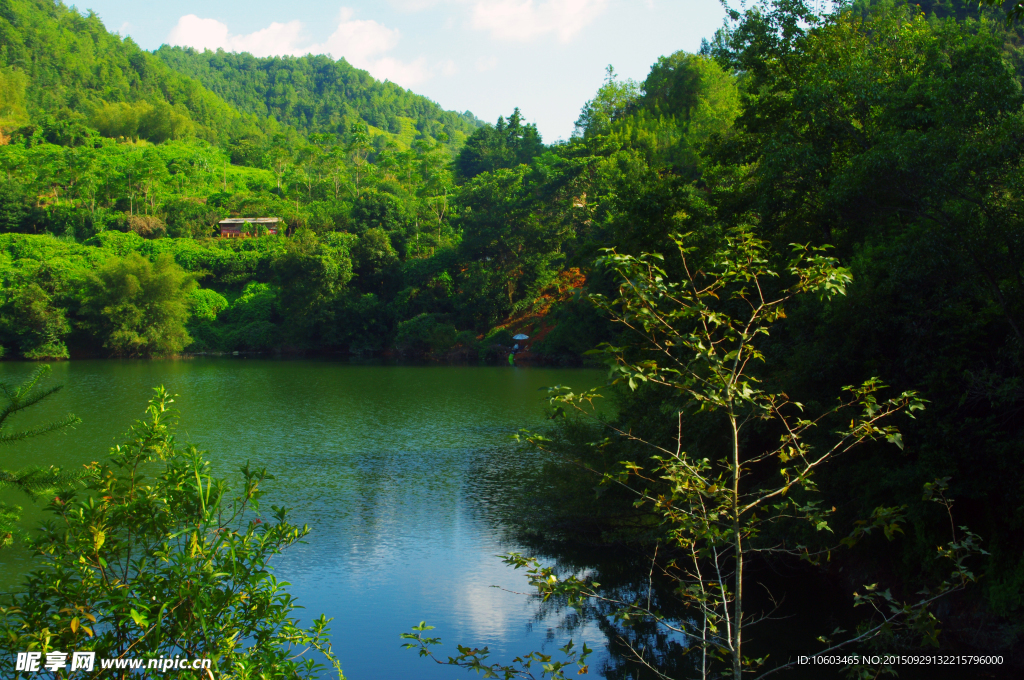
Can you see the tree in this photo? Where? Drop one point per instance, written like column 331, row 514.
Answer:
column 280, row 158
column 189, row 218
column 139, row 308
column 374, row 258
column 698, row 341
column 380, row 210
column 13, row 208
column 163, row 122
column 436, row 184
column 310, row 163
column 170, row 565
column 12, row 100
column 894, row 138
column 311, row 275
column 36, row 481
column 1014, row 9
column 358, row 151
column 510, row 240
column 334, row 164
column 613, row 100
column 505, row 145
column 702, row 97
column 38, row 324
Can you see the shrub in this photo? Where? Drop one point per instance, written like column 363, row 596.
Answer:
column 207, row 304
column 147, row 226
column 250, row 322
column 499, row 336
column 173, row 564
column 189, row 218
column 425, row 333
column 39, row 324
column 140, row 308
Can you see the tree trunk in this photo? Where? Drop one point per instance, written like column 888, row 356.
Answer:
column 737, row 628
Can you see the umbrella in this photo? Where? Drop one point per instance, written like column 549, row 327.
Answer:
column 520, row 337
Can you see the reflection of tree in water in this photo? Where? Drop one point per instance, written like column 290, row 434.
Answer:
column 546, row 515
column 552, row 510
column 620, row 569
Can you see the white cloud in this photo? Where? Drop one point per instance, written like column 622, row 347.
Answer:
column 361, row 42
column 401, row 72
column 357, row 40
column 526, row 19
column 210, row 34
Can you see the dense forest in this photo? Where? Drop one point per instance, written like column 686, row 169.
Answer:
column 316, row 94
column 889, row 132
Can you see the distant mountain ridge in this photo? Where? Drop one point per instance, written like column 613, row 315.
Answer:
column 316, row 94
column 65, row 62
column 59, row 63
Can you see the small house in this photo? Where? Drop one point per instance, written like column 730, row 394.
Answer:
column 239, row 227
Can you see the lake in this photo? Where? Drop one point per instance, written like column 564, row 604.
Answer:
column 393, row 468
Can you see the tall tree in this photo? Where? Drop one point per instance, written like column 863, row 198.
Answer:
column 505, row 145
column 139, row 308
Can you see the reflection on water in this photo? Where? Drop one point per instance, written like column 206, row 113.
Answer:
column 383, row 462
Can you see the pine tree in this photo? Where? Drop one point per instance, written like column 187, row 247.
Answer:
column 36, row 481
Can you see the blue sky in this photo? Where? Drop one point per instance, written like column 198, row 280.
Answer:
column 488, row 56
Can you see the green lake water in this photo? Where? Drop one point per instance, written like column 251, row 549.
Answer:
column 394, row 468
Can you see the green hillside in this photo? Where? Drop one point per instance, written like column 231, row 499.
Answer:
column 62, row 68
column 316, row 94
column 55, row 61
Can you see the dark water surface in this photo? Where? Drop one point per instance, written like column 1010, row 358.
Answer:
column 389, row 465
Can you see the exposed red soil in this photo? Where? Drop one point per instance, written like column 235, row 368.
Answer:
column 534, row 322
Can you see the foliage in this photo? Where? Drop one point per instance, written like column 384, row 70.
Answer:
column 316, row 94
column 12, row 207
column 310, row 275
column 36, row 481
column 140, row 307
column 37, row 326
column 173, row 564
column 207, row 304
column 250, row 322
column 147, row 226
column 505, row 145
column 472, row 658
column 70, row 62
column 700, row 340
column 374, row 257
column 12, row 99
column 425, row 333
column 702, row 97
column 613, row 100
column 189, row 218
column 141, row 120
column 378, row 210
column 917, row 193
column 511, row 242
column 1014, row 10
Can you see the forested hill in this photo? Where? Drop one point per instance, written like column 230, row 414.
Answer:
column 63, row 69
column 55, row 61
column 316, row 94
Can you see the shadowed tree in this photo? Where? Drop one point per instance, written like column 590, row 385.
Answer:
column 36, row 481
